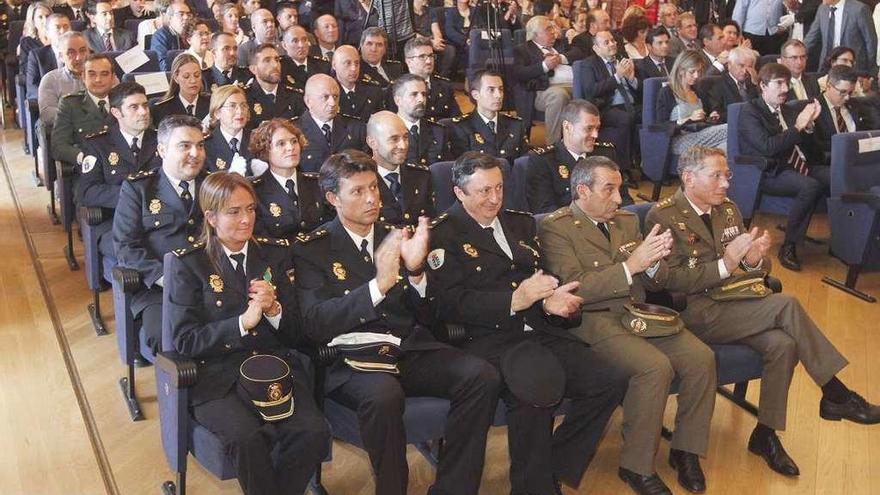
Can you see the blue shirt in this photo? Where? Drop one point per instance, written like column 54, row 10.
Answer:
column 758, row 17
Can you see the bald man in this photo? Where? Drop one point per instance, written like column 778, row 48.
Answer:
column 265, row 31
column 297, row 66
column 405, row 188
column 358, row 96
column 325, row 128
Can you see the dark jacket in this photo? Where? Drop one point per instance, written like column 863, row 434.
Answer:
column 348, row 132
column 761, row 134
column 162, row 42
column 417, row 197
column 123, row 39
column 278, row 215
column 818, row 147
column 161, row 108
column 293, row 74
column 725, row 93
column 528, row 60
column 548, row 186
column 599, row 86
column 218, row 152
column 432, row 145
column 470, row 133
column 287, row 103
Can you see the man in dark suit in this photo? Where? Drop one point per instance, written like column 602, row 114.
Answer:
column 769, row 129
column 838, row 114
column 297, row 66
column 42, row 60
column 356, row 275
column 610, row 83
column 488, row 275
column 713, row 11
column 405, row 188
column 687, row 34
column 658, row 63
column 170, row 36
column 737, row 84
column 851, row 26
column 428, row 139
column 327, row 131
column 804, row 86
column 374, row 67
column 597, row 20
column 326, row 32
column 267, row 95
column 712, row 39
column 419, row 58
column 487, row 129
column 111, row 155
column 265, row 32
column 75, row 10
column 225, row 71
column 104, row 36
column 158, row 211
column 358, row 96
column 136, row 9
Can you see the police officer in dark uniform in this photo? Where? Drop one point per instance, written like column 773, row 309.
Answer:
column 289, row 201
column 405, row 188
column 232, row 307
column 419, row 59
column 184, row 95
column 374, row 67
column 158, row 212
column 224, row 70
column 11, row 10
column 548, row 186
column 356, row 275
column 111, row 155
column 226, row 146
column 428, row 139
column 297, row 66
column 268, row 96
column 357, row 96
column 327, row 131
column 486, row 129
column 487, row 276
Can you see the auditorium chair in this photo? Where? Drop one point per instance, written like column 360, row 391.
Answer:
column 13, row 38
column 47, row 171
column 65, row 176
column 854, row 208
column 655, row 138
column 98, row 268
column 489, row 51
column 516, row 186
column 170, row 55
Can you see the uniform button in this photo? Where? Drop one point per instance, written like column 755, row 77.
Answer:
column 219, row 303
column 345, row 293
column 406, row 216
column 228, row 346
column 156, row 223
column 203, row 361
column 253, row 353
column 190, row 238
column 190, row 221
column 513, row 284
column 595, row 263
column 497, row 326
column 479, row 269
column 384, row 315
column 363, row 320
column 255, row 333
column 513, row 267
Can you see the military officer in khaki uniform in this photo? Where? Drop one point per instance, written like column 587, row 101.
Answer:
column 595, row 243
column 711, row 249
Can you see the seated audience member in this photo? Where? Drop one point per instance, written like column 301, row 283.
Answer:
column 517, row 317
column 428, row 23
column 597, row 20
column 269, row 96
column 230, row 15
column 737, row 85
column 326, row 32
column 239, row 336
column 122, row 150
column 804, row 86
column 148, row 27
column 184, row 95
column 658, row 63
column 733, row 35
column 634, row 30
column 198, row 35
column 327, row 130
column 374, row 67
column 358, row 275
column 685, row 37
column 67, row 78
column 713, row 53
column 297, row 66
column 578, row 26
column 286, row 14
column 158, row 213
column 701, row 218
column 226, row 147
column 548, row 186
column 838, row 114
column 543, row 65
column 487, row 129
column 224, row 69
column 265, row 33
column 842, row 55
column 358, row 96
column 136, row 9
column 84, row 113
column 405, row 188
column 34, row 32
column 457, row 23
column 667, row 13
column 41, row 60
column 172, row 36
column 104, row 36
column 428, row 140
column 353, row 16
column 419, row 58
column 289, row 201
column 769, row 129
column 75, row 10
column 678, row 102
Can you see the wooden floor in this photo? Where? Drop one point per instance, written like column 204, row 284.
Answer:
column 66, row 430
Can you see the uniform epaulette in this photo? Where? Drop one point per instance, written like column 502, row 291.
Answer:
column 514, row 117
column 290, row 79
column 563, row 212
column 431, row 120
column 604, row 144
column 728, row 200
column 623, row 212
column 518, row 212
column 166, row 100
column 461, row 117
column 392, row 62
column 180, row 252
column 294, row 89
column 207, row 135
column 544, row 150
column 311, row 175
column 294, row 118
column 99, row 133
column 419, row 167
column 248, row 84
column 256, row 180
column 273, row 241
column 437, row 76
column 438, row 220
column 666, row 203
column 355, row 117
column 366, row 79
column 315, row 57
column 142, row 174
column 317, row 234
column 75, row 93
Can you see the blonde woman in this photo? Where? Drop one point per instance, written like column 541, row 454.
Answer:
column 184, row 95
column 34, row 32
column 226, row 147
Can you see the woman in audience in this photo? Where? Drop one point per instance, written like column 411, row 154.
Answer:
column 184, row 95
column 634, row 30
column 198, row 35
column 289, row 200
column 678, row 102
column 226, row 148
column 578, row 25
column 33, row 34
column 456, row 28
column 651, row 7
column 842, row 55
column 230, row 14
column 428, row 22
column 261, row 408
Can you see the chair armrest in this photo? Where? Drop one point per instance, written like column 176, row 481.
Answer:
column 773, row 284
column 664, row 127
column 182, row 370
column 324, row 356
column 91, row 215
column 755, row 161
column 128, row 278
column 66, row 169
column 869, row 199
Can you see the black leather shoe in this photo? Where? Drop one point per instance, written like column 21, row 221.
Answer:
column 644, row 485
column 770, row 448
column 788, row 258
column 690, row 474
column 855, row 409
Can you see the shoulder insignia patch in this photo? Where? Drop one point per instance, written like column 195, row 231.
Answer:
column 311, row 175
column 604, row 144
column 438, row 220
column 353, row 117
column 418, row 167
column 75, row 93
column 508, row 210
column 317, row 234
column 99, row 133
column 544, row 150
column 666, row 203
column 509, row 116
column 273, row 241
column 623, row 212
column 563, row 212
column 256, row 180
column 142, row 174
column 191, row 249
column 166, row 100
column 461, row 117
column 313, row 57
column 442, row 78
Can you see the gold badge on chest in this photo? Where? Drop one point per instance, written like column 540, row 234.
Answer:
column 479, row 138
column 274, row 209
column 113, row 158
column 220, row 163
column 339, row 270
column 258, row 108
column 155, row 206
column 470, row 250
column 216, row 283
column 563, row 171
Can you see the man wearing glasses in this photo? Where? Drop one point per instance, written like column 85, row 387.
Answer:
column 803, row 86
column 419, row 58
column 838, row 114
column 170, row 36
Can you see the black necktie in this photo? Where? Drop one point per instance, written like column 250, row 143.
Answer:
column 102, row 107
column 604, row 229
column 662, row 67
column 394, row 180
column 741, row 87
column 190, row 110
column 326, row 129
column 491, row 125
column 228, row 75
column 291, row 191
column 414, row 138
column 185, row 196
column 831, row 25
column 134, row 148
column 707, row 221
column 233, row 145
column 364, row 252
column 239, row 266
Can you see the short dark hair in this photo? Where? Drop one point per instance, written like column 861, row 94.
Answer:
column 468, row 163
column 584, row 172
column 632, row 25
column 837, row 52
column 416, row 41
column 656, row 32
column 100, row 56
column 92, row 6
column 216, row 37
column 343, row 165
column 402, row 81
column 773, row 71
column 257, row 50
column 840, row 73
column 172, row 122
column 284, row 6
column 315, row 22
column 476, row 79
column 122, row 91
column 574, row 108
column 731, row 22
column 543, row 7
column 708, row 31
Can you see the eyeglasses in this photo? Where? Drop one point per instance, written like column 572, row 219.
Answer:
column 422, row 57
column 842, row 92
column 234, row 106
column 717, row 176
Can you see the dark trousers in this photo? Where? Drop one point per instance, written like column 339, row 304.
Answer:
column 807, row 191
column 618, row 127
column 470, row 384
column 766, row 45
column 537, row 453
column 302, row 440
